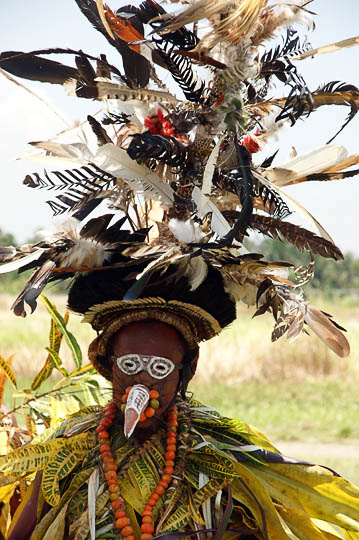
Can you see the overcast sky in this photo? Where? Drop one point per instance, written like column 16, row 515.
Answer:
column 41, row 24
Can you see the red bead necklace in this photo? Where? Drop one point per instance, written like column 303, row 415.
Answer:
column 122, row 521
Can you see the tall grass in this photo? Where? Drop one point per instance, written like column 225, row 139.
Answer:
column 242, row 352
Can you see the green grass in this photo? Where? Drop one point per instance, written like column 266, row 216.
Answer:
column 325, row 410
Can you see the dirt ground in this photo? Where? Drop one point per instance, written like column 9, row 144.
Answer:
column 345, row 449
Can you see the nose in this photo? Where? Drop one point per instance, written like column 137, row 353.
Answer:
column 145, row 378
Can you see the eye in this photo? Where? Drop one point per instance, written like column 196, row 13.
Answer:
column 160, row 367
column 129, row 364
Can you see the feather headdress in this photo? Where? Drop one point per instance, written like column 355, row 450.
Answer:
column 178, row 167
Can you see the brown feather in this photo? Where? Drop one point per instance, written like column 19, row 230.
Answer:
column 301, row 238
column 327, row 331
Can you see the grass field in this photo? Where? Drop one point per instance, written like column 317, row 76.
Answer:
column 292, row 391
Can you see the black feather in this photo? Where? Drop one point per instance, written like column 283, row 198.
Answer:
column 164, row 149
column 81, row 185
column 34, row 68
column 182, row 38
column 181, row 70
column 137, row 68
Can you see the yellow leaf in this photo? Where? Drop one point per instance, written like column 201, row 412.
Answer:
column 3, row 379
column 30, row 426
column 315, row 489
column 8, row 372
column 250, row 491
column 77, row 481
column 4, row 437
column 179, row 518
column 210, row 489
column 20, row 508
column 43, row 374
column 57, row 527
column 80, row 528
column 59, row 467
column 81, row 371
column 6, row 492
column 58, row 411
column 300, row 524
column 61, row 325
column 36, row 456
column 56, row 361
column 142, row 473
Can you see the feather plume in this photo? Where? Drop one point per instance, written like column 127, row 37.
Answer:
column 116, row 162
column 332, row 47
column 312, row 162
column 110, row 90
column 325, row 329
column 36, row 68
column 19, row 263
column 136, row 67
column 190, row 178
column 235, row 20
column 295, row 204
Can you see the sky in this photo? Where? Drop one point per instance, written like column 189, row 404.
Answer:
column 23, row 118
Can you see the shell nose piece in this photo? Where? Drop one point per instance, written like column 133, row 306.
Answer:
column 136, row 404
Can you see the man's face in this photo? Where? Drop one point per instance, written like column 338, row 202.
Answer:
column 148, row 339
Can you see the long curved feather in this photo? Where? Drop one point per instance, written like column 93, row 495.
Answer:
column 23, row 261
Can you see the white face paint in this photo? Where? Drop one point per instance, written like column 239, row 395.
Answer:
column 136, row 404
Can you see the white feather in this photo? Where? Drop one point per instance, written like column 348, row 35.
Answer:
column 319, row 159
column 86, row 252
column 65, row 162
column 219, row 223
column 116, row 161
column 15, row 265
column 209, row 170
column 331, row 47
column 71, row 151
column 185, row 231
column 196, row 272
column 93, row 484
column 289, row 13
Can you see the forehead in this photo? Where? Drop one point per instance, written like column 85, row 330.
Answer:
column 149, row 338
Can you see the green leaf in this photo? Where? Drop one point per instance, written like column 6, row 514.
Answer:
column 61, row 325
column 85, row 369
column 59, row 467
column 43, row 374
column 179, row 518
column 56, row 362
column 4, row 366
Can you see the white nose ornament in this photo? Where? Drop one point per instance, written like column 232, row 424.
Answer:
column 136, row 404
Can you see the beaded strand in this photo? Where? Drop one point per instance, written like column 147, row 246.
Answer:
column 122, row 521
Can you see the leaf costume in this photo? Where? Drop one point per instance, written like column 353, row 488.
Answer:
column 223, row 464
column 161, row 270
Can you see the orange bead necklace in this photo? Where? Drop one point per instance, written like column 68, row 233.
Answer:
column 122, row 521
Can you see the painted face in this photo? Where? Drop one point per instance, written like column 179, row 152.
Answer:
column 148, row 354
